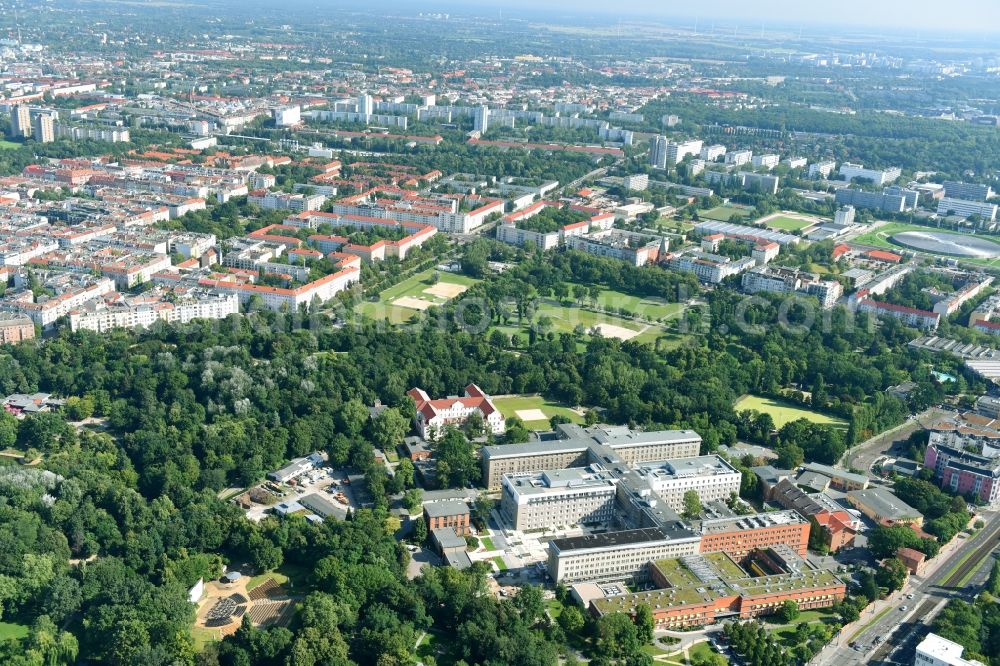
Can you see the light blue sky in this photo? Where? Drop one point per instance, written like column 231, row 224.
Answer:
column 964, row 15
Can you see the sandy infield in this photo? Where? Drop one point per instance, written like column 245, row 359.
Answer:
column 412, row 303
column 612, row 331
column 445, row 290
column 531, row 415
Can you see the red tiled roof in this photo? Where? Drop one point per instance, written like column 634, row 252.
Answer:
column 881, row 255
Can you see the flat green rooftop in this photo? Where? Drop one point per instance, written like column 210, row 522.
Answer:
column 699, row 579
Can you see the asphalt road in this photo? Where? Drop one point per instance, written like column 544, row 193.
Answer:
column 894, row 634
column 863, row 455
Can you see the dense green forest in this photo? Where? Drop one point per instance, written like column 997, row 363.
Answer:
column 876, row 139
column 190, row 410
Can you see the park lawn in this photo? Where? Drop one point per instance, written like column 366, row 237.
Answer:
column 669, row 341
column 783, row 223
column 501, row 565
column 783, row 412
column 648, row 308
column 442, row 648
column 702, row 651
column 565, row 318
column 487, row 543
column 202, row 636
column 427, row 647
column 257, row 581
column 9, row 145
column 12, row 632
column 413, row 287
column 292, row 576
column 510, row 406
column 721, row 213
column 821, row 615
column 655, row 651
column 880, row 237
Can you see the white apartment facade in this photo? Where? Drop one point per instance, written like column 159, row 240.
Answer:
column 849, row 172
column 822, row 169
column 713, row 153
column 739, row 157
column 616, row 555
column 709, row 476
column 144, row 314
column 765, row 161
column 985, row 211
column 558, row 498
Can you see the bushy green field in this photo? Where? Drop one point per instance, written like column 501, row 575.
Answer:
column 413, row 287
column 721, row 213
column 784, row 412
column 783, row 223
column 509, row 407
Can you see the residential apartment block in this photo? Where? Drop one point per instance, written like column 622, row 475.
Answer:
column 965, row 464
column 123, row 311
column 909, row 316
column 710, row 268
column 984, row 211
column 849, row 172
column 283, row 201
column 967, row 191
column 822, row 169
column 778, row 280
column 632, row 248
column 15, row 328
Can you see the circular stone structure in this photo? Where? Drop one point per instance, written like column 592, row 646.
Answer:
column 956, row 245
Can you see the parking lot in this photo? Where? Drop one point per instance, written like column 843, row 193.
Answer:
column 331, row 484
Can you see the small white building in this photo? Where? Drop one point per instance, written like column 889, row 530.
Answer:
column 937, row 651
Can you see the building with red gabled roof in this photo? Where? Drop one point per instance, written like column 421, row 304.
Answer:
column 433, row 416
column 909, row 316
column 882, row 255
column 912, row 559
column 840, row 250
column 986, row 326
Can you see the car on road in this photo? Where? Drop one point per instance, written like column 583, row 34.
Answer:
column 904, row 608
column 910, row 595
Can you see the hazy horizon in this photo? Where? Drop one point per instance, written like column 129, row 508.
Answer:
column 978, row 16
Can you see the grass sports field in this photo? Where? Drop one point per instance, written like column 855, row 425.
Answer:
column 880, row 238
column 784, row 223
column 721, row 213
column 566, row 318
column 534, row 410
column 647, row 308
column 404, row 301
column 784, row 412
